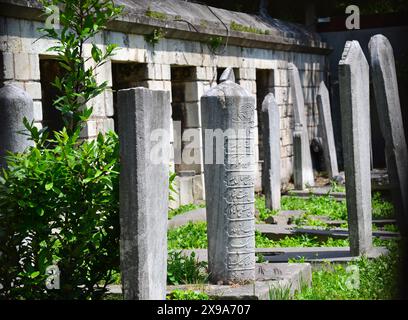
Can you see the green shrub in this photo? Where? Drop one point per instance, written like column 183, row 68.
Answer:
column 80, row 22
column 59, row 205
column 182, row 269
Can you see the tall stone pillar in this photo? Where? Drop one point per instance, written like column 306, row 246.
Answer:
column 144, row 133
column 355, row 121
column 388, row 106
column 271, row 147
column 228, row 114
column 303, row 170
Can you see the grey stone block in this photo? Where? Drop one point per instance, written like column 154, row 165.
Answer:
column 143, row 192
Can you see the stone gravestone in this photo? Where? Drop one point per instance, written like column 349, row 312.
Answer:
column 329, row 148
column 144, row 131
column 15, row 104
column 303, row 170
column 389, row 112
column 271, row 146
column 227, row 112
column 355, row 120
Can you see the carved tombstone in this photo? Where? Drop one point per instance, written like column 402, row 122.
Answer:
column 303, row 170
column 271, row 146
column 388, row 106
column 355, row 121
column 228, row 114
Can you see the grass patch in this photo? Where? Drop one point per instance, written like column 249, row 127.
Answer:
column 362, row 279
column 260, row 206
column 183, row 209
column 316, row 205
column 194, row 236
column 381, row 208
column 262, row 241
column 336, row 187
column 189, row 236
column 187, row 295
column 324, row 206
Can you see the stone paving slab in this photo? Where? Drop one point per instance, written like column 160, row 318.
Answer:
column 281, row 229
column 317, row 191
column 196, row 215
column 269, row 277
column 310, row 254
column 276, row 232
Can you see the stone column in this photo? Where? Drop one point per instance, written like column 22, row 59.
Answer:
column 144, row 131
column 271, row 146
column 355, row 120
column 329, row 148
column 389, row 113
column 15, row 104
column 305, row 168
column 227, row 112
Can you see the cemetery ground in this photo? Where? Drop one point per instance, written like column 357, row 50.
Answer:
column 187, row 273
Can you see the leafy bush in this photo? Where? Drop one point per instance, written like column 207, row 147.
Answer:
column 182, row 269
column 80, row 22
column 187, row 295
column 59, row 205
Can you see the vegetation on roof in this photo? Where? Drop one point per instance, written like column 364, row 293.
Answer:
column 242, row 28
column 155, row 14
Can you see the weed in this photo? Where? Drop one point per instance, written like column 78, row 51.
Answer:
column 155, row 36
column 182, row 269
column 242, row 28
column 279, row 293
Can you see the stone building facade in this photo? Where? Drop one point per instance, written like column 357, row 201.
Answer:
column 186, row 60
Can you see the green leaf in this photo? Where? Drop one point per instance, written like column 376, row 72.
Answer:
column 49, row 186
